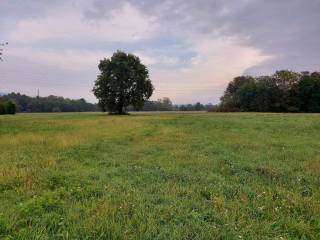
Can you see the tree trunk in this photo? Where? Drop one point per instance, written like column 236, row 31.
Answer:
column 120, row 108
column 120, row 111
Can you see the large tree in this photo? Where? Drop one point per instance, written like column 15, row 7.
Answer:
column 123, row 81
column 309, row 92
column 231, row 100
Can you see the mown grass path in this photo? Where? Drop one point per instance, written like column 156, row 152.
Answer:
column 160, row 176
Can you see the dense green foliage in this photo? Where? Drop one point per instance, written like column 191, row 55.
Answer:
column 160, row 176
column 284, row 91
column 123, row 81
column 48, row 104
column 7, row 107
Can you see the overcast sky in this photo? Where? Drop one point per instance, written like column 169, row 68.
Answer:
column 192, row 48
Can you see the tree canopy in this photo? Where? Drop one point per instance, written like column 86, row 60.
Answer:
column 51, row 103
column 284, row 91
column 123, row 81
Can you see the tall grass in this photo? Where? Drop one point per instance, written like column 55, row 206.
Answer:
column 160, row 176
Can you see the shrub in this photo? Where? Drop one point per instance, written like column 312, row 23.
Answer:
column 10, row 107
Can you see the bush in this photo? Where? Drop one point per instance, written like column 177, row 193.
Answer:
column 10, row 107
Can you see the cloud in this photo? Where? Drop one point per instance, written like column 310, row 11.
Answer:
column 192, row 48
column 287, row 29
column 67, row 59
column 217, row 61
column 125, row 24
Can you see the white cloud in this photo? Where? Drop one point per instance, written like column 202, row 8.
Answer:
column 66, row 23
column 68, row 59
column 175, row 73
column 125, row 24
column 158, row 59
column 217, row 62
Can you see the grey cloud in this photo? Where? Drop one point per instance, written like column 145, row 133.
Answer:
column 15, row 9
column 287, row 29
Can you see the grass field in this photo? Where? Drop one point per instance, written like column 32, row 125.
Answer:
column 160, row 176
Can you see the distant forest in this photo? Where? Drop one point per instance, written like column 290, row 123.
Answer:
column 284, row 91
column 165, row 104
column 51, row 103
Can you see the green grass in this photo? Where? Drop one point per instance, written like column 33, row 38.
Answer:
column 160, row 176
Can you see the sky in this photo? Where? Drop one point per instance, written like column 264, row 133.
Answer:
column 192, row 48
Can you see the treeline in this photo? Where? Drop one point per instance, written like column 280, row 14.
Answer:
column 51, row 103
column 13, row 102
column 284, row 91
column 165, row 104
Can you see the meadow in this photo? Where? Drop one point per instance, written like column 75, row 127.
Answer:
column 160, row 176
